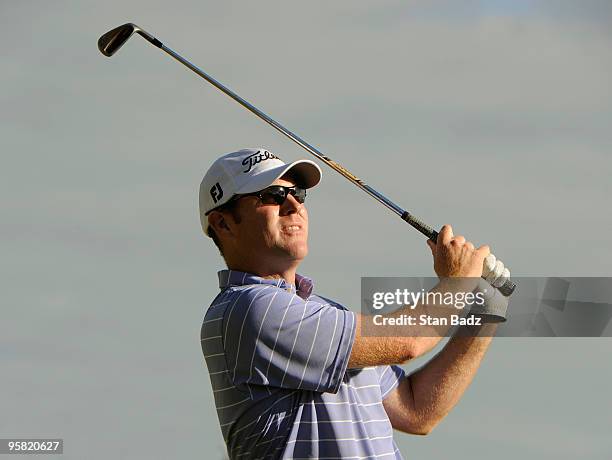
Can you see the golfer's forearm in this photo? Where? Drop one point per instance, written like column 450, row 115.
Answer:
column 383, row 341
column 439, row 385
column 378, row 351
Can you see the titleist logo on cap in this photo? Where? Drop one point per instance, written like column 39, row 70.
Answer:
column 258, row 157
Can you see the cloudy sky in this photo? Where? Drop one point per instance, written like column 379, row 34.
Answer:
column 493, row 116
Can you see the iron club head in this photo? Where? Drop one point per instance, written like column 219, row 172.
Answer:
column 111, row 41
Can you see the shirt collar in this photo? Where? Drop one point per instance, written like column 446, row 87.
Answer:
column 236, row 278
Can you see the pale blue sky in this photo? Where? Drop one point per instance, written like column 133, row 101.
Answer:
column 492, row 116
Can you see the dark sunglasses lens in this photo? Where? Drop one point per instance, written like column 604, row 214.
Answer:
column 273, row 196
column 278, row 194
column 299, row 194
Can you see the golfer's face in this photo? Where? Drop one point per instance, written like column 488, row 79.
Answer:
column 272, row 230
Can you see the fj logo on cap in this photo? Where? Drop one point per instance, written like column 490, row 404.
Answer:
column 253, row 159
column 216, row 192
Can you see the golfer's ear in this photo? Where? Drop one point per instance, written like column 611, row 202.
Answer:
column 218, row 222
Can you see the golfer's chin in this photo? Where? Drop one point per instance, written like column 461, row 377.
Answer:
column 297, row 250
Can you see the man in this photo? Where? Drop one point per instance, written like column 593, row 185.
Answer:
column 292, row 374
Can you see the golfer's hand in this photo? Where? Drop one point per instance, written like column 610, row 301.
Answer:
column 455, row 257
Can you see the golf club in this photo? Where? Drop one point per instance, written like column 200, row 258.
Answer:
column 109, row 44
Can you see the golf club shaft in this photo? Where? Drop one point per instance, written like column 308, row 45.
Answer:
column 507, row 288
column 426, row 230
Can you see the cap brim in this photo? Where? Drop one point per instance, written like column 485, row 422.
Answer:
column 306, row 173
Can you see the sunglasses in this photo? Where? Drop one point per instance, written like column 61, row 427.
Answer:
column 277, row 194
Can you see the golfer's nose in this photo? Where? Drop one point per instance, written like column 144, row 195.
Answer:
column 291, row 205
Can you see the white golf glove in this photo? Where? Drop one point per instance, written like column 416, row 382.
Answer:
column 495, row 305
column 494, row 271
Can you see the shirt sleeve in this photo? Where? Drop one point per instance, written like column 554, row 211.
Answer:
column 389, row 378
column 273, row 337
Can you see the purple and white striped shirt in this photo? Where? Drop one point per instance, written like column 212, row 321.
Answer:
column 277, row 356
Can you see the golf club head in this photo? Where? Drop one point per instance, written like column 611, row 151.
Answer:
column 111, row 41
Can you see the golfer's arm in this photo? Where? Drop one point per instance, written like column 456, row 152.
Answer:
column 395, row 349
column 425, row 397
column 400, row 343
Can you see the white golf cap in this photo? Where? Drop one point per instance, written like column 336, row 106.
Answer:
column 248, row 171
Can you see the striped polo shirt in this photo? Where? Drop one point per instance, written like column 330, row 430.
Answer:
column 277, row 356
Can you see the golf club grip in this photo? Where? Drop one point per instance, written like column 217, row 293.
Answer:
column 506, row 289
column 420, row 226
